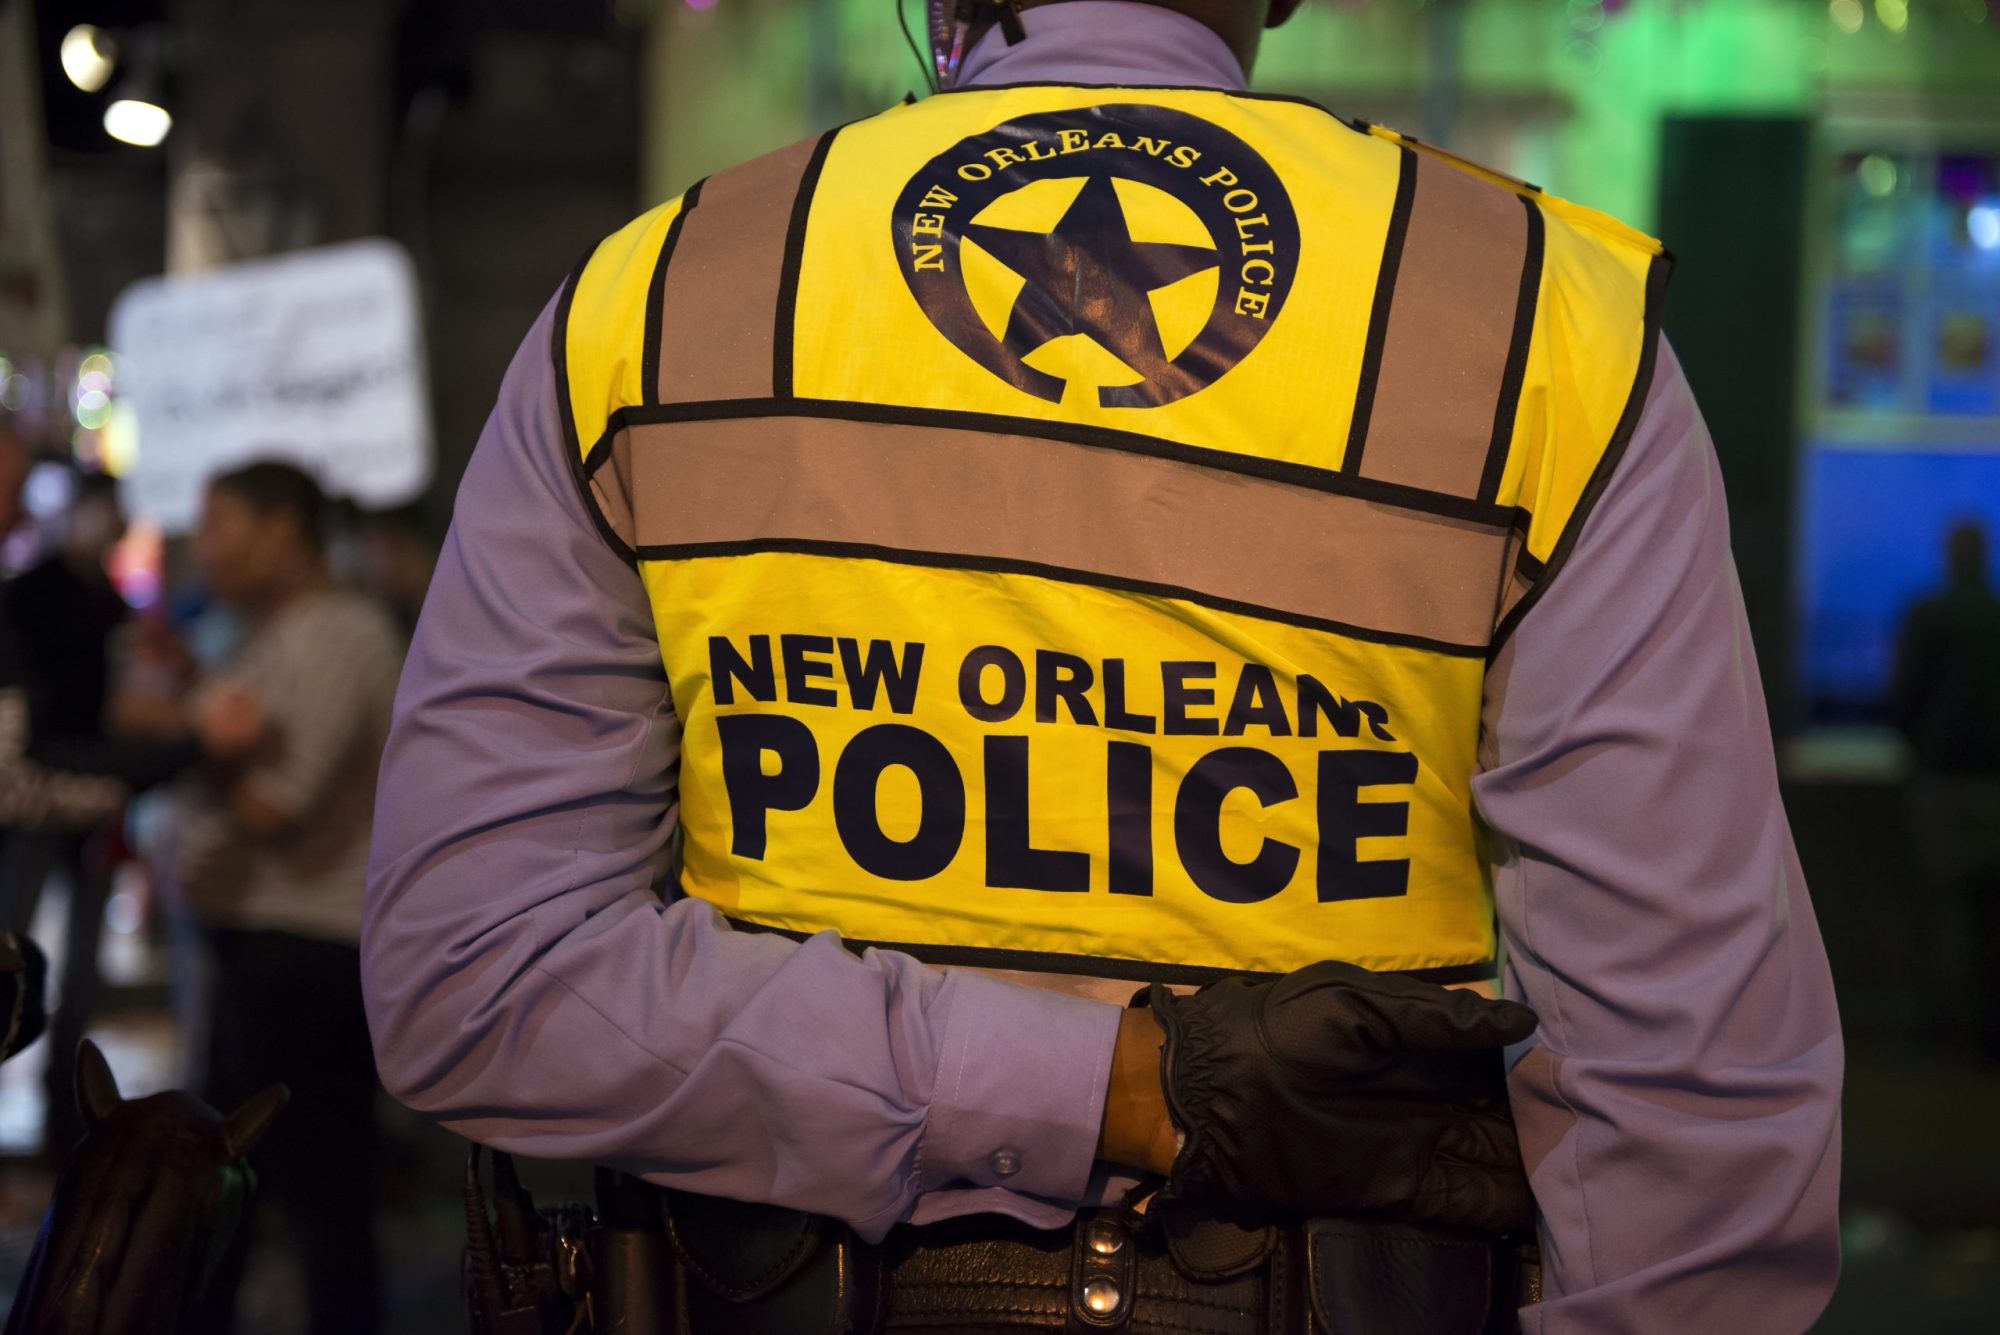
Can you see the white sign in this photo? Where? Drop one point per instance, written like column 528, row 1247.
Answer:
column 314, row 357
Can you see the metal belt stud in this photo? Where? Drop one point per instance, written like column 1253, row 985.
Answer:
column 1104, row 1282
column 1101, row 1295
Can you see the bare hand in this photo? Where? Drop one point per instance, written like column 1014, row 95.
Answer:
column 228, row 721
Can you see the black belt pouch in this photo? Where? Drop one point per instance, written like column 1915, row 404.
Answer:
column 760, row 1270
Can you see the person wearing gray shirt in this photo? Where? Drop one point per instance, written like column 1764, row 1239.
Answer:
column 272, row 859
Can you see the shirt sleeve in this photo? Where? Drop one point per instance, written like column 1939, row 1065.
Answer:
column 526, row 984
column 320, row 702
column 1679, row 1107
column 34, row 796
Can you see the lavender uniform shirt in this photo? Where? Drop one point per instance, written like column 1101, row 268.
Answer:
column 526, row 985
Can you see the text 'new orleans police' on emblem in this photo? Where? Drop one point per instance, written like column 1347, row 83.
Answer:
column 1131, row 252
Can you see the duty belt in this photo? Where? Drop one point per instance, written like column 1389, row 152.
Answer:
column 656, row 1261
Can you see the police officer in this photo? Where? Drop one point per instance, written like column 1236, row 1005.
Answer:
column 1097, row 528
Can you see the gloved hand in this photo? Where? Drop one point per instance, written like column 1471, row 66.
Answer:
column 1334, row 1090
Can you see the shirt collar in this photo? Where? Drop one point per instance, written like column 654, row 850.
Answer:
column 1118, row 42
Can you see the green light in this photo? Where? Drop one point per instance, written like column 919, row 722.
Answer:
column 1895, row 14
column 1877, row 175
column 1847, row 15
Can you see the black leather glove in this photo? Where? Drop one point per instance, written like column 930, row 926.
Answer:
column 1334, row 1090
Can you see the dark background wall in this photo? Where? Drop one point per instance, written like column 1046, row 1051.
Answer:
column 1731, row 208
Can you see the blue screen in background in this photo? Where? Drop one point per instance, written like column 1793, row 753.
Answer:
column 1873, row 527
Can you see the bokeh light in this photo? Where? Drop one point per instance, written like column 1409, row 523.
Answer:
column 1877, row 175
column 92, row 406
column 1982, row 224
column 88, row 57
column 138, row 123
column 118, row 442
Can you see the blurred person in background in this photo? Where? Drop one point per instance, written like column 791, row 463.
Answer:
column 1946, row 700
column 59, row 615
column 394, row 558
column 63, row 778
column 35, row 795
column 68, row 608
column 272, row 859
column 67, row 611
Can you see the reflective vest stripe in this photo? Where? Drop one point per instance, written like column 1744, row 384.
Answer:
column 656, row 294
column 1378, row 316
column 1455, row 340
column 719, row 292
column 1109, row 517
column 601, row 343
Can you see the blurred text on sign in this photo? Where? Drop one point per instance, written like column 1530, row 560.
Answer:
column 313, row 356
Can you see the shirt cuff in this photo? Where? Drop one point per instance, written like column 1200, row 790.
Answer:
column 1019, row 1099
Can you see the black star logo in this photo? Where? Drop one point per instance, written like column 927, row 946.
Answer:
column 1088, row 276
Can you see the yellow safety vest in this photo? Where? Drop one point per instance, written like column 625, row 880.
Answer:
column 1077, row 521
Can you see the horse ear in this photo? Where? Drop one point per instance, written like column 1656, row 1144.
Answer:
column 96, row 1089
column 247, row 1125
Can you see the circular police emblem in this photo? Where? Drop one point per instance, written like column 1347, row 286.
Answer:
column 1131, row 252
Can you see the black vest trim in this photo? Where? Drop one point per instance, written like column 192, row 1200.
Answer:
column 1094, row 966
column 1273, row 470
column 695, row 551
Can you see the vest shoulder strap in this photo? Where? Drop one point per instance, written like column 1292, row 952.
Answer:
column 723, row 259
column 721, row 322
column 1510, row 353
column 1448, row 339
column 685, row 302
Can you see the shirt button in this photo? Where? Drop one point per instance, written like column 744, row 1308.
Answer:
column 1005, row 1163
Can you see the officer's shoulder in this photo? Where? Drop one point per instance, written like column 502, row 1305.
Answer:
column 609, row 303
column 1594, row 224
column 625, row 256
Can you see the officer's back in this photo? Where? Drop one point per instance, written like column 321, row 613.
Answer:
column 1090, row 536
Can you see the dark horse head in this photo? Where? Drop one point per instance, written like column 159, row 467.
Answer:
column 145, row 1209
